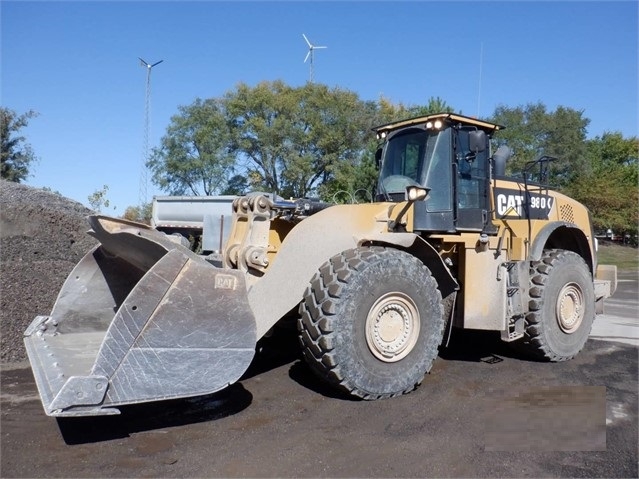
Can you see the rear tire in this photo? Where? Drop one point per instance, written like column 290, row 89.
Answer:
column 561, row 306
column 371, row 322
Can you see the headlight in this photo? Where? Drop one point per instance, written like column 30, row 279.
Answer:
column 416, row 193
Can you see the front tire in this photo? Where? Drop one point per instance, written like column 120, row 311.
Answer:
column 561, row 307
column 371, row 322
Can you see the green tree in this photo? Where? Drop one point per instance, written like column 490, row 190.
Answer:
column 291, row 140
column 141, row 214
column 352, row 181
column 98, row 199
column 356, row 180
column 532, row 131
column 434, row 105
column 260, row 119
column 387, row 111
column 50, row 190
column 336, row 127
column 237, row 185
column 195, row 155
column 609, row 187
column 17, row 154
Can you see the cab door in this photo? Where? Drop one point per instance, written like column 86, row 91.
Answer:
column 471, row 181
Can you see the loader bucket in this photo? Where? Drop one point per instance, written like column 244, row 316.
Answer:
column 140, row 318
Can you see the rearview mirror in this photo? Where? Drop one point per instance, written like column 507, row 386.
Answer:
column 477, row 140
column 378, row 157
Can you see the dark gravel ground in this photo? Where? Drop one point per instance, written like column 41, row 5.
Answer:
column 482, row 412
column 42, row 237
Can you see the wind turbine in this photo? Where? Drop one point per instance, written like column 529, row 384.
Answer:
column 311, row 49
column 145, row 151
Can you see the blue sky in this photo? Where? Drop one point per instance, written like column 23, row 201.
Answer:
column 76, row 64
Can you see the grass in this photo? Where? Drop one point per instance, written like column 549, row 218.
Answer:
column 625, row 257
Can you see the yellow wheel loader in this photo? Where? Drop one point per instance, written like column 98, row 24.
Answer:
column 449, row 241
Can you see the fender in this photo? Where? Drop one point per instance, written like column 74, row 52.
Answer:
column 304, row 250
column 564, row 235
column 418, row 247
column 308, row 246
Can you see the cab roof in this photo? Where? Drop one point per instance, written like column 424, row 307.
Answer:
column 450, row 118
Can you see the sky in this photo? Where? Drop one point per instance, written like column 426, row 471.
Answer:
column 76, row 64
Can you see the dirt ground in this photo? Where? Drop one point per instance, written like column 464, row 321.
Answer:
column 482, row 412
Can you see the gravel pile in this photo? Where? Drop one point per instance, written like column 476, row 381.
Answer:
column 42, row 237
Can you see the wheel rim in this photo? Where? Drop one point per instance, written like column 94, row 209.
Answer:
column 392, row 327
column 570, row 308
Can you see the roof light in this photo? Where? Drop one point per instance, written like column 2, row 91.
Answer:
column 438, row 124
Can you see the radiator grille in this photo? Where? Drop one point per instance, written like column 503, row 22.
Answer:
column 566, row 213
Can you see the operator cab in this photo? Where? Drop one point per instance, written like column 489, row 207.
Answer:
column 447, row 154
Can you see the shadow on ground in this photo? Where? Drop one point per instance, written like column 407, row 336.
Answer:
column 155, row 415
column 279, row 349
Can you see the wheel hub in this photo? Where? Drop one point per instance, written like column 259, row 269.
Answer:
column 570, row 308
column 392, row 327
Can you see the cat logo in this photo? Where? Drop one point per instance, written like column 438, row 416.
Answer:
column 225, row 281
column 521, row 204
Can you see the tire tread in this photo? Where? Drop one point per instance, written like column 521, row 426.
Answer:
column 317, row 321
column 534, row 342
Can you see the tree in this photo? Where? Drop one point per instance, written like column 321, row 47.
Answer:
column 17, row 154
column 50, row 190
column 260, row 119
column 195, row 155
column 434, row 105
column 609, row 187
column 334, row 133
column 290, row 140
column 98, row 199
column 351, row 181
column 141, row 214
column 388, row 111
column 356, row 180
column 531, row 131
column 237, row 185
